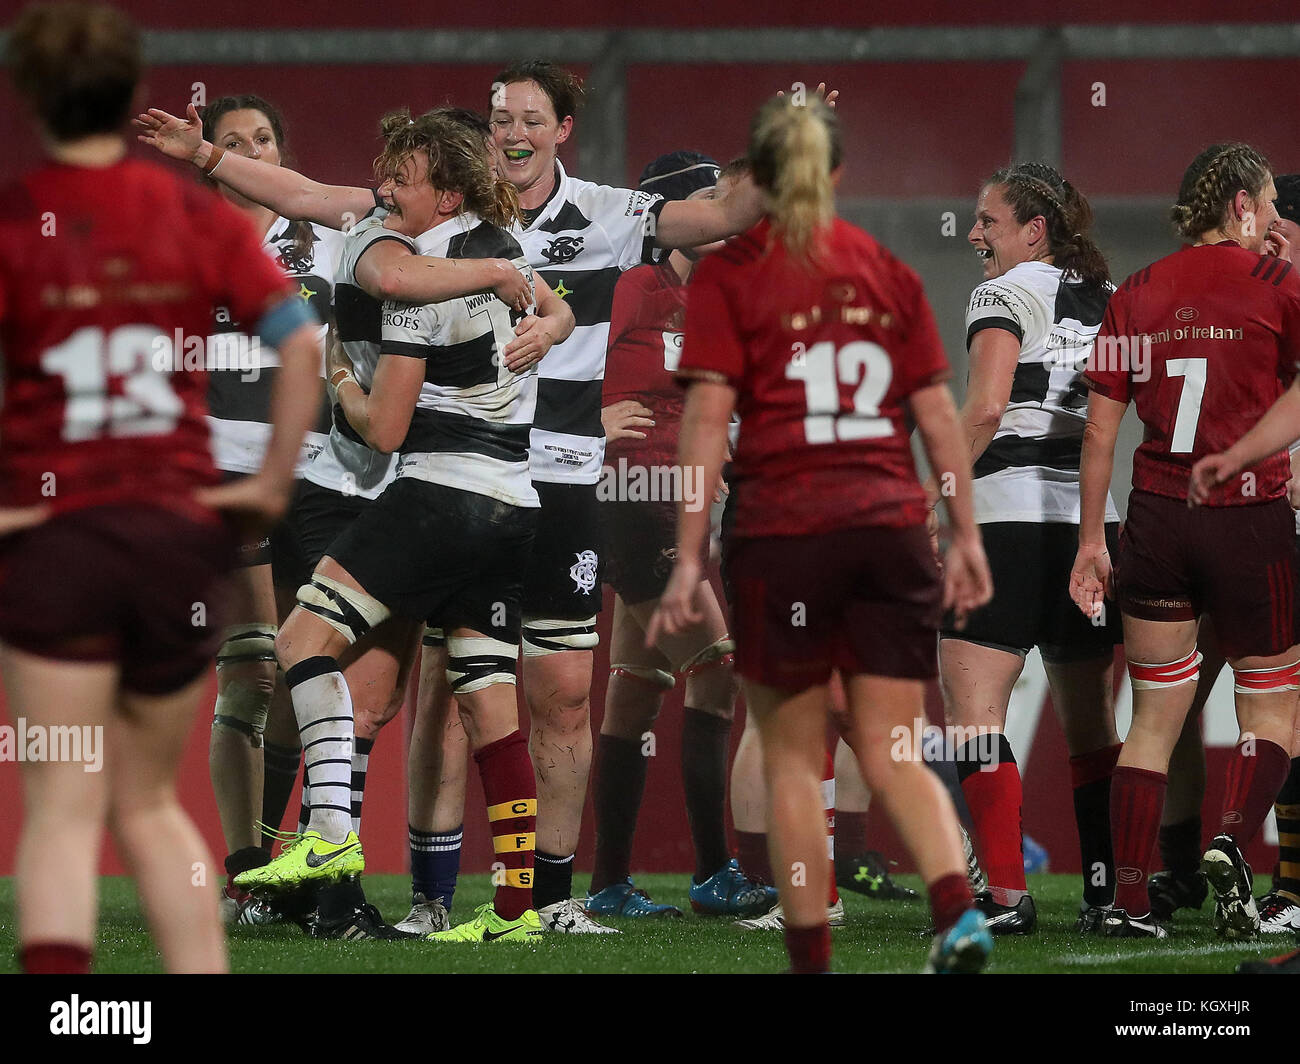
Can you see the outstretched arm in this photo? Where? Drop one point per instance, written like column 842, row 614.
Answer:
column 690, row 223
column 284, row 191
column 1274, row 432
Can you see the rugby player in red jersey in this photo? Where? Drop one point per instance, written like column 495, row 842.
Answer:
column 1203, row 341
column 822, row 341
column 638, row 492
column 109, row 269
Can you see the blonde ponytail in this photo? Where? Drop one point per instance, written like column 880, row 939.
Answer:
column 505, row 205
column 793, row 149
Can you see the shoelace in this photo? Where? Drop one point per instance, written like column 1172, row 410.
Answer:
column 1272, row 905
column 575, row 910
column 287, row 839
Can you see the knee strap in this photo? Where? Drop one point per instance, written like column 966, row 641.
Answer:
column 720, row 652
column 247, row 642
column 1170, row 674
column 243, row 707
column 348, row 611
column 434, row 638
column 656, row 678
column 1266, row 681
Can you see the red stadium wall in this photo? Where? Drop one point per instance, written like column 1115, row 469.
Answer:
column 686, row 14
column 917, row 130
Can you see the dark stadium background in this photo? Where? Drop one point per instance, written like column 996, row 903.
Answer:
column 920, row 134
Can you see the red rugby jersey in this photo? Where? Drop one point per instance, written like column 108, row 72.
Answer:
column 1203, row 341
column 823, row 359
column 107, row 282
column 645, row 347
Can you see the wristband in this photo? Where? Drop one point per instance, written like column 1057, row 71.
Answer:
column 214, row 160
column 346, row 376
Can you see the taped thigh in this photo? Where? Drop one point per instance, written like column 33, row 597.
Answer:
column 542, row 636
column 350, row 612
column 478, row 661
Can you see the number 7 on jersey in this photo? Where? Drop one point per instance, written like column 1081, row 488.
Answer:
column 1192, row 370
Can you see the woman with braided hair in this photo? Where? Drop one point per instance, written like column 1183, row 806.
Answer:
column 1029, row 328
column 1203, row 341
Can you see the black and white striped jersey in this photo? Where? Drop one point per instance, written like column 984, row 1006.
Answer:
column 347, row 464
column 1030, row 470
column 584, row 237
column 241, row 370
column 472, row 421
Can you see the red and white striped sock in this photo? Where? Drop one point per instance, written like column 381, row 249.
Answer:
column 828, row 801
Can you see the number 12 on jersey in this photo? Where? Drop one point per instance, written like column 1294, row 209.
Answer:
column 823, row 368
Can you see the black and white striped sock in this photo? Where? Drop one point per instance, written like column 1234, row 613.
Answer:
column 322, row 706
column 360, row 764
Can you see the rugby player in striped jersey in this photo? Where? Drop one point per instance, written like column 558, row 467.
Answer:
column 447, row 540
column 579, row 236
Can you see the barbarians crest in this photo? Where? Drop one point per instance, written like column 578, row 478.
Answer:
column 583, row 571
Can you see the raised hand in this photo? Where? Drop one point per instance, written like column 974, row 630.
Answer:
column 829, row 97
column 177, row 138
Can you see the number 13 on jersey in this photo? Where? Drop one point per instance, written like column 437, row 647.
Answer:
column 823, row 368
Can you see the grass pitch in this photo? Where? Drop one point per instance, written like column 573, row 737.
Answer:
column 879, row 937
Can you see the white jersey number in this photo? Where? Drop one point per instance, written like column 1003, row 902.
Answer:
column 87, row 361
column 1192, row 370
column 823, row 369
column 672, row 351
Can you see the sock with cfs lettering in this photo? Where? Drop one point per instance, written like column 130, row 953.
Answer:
column 510, row 789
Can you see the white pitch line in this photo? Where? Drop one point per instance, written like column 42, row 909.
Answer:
column 1168, row 951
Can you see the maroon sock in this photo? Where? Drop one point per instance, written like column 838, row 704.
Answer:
column 616, row 794
column 751, row 848
column 1090, row 780
column 510, row 789
column 1180, row 846
column 809, row 949
column 990, row 782
column 1254, row 778
column 55, row 958
column 950, row 896
column 850, row 833
column 1137, row 798
column 705, row 738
